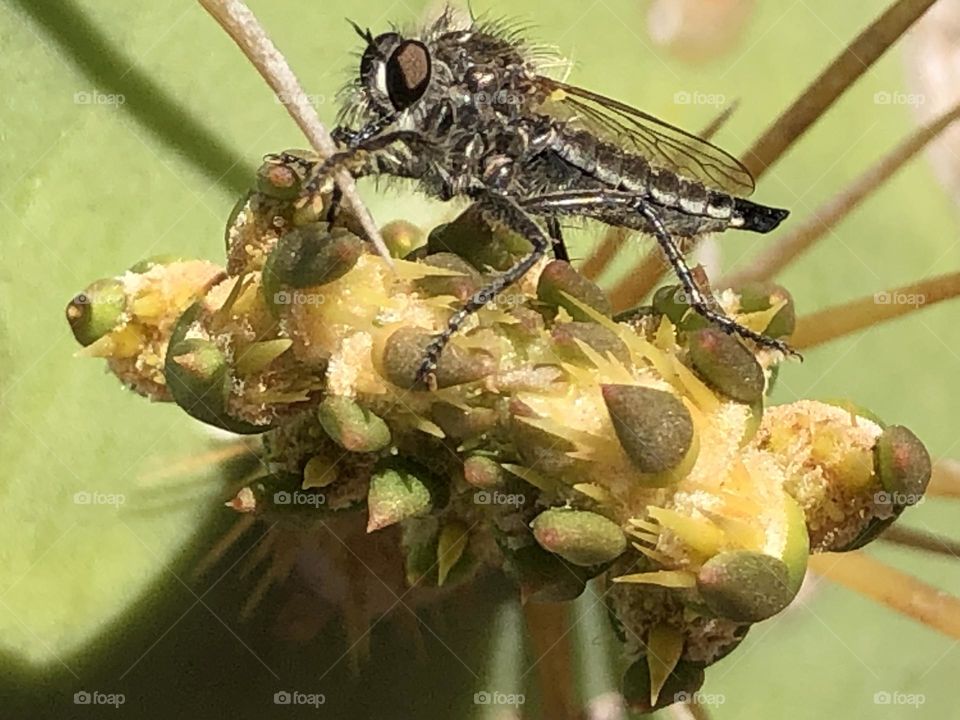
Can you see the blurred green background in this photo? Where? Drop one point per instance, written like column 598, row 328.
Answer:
column 97, row 597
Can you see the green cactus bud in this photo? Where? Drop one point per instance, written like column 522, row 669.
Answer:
column 398, row 491
column 470, row 237
column 96, row 311
column 198, row 377
column 726, row 365
column 558, row 278
column 461, row 286
column 406, row 348
column 461, row 423
column 578, row 536
column 671, row 300
column 745, row 586
column 484, row 473
column 402, row 238
column 903, row 465
column 760, row 296
column 681, row 684
column 352, row 426
column 601, row 339
column 311, row 255
column 278, row 181
column 653, row 426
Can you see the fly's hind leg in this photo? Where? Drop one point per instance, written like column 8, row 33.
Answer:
column 595, row 202
column 698, row 301
column 560, row 251
column 501, row 210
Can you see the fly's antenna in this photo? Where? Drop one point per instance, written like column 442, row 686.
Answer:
column 365, row 34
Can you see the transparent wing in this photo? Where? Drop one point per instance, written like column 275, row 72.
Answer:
column 662, row 144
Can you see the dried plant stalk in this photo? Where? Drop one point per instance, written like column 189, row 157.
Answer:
column 599, row 260
column 946, row 479
column 247, row 32
column 823, row 92
column 920, row 540
column 784, row 251
column 853, row 62
column 548, row 625
column 842, row 320
column 897, row 590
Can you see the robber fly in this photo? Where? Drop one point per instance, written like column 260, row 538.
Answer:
column 465, row 112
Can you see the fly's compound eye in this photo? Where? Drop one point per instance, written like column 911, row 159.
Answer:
column 408, row 73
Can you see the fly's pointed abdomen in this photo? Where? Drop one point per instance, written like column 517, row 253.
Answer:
column 756, row 218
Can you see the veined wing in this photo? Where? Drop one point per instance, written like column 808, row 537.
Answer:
column 662, row 144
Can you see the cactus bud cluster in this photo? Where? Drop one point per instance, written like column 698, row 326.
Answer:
column 558, row 442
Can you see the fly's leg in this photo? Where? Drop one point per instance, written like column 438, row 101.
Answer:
column 336, row 198
column 697, row 299
column 594, row 200
column 351, row 159
column 502, row 210
column 556, row 235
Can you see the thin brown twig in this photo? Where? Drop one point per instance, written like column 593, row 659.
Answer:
column 897, row 590
column 945, row 482
column 810, row 106
column 835, row 79
column 599, row 260
column 820, row 223
column 548, row 627
column 841, row 320
column 249, row 35
column 920, row 540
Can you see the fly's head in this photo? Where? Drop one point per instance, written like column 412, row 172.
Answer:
column 402, row 78
column 394, row 76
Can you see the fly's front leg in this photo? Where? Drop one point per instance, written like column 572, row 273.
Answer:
column 357, row 159
column 501, row 210
column 698, row 301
